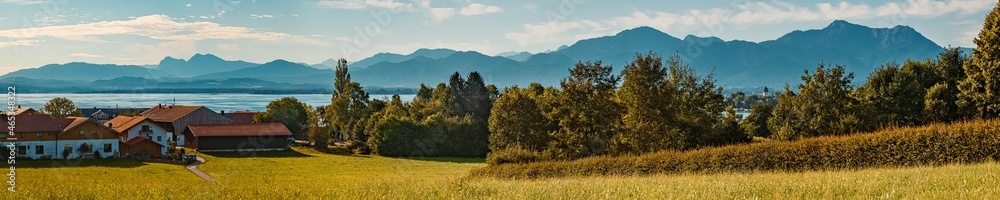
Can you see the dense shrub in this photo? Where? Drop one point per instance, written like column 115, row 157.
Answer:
column 962, row 142
column 515, row 155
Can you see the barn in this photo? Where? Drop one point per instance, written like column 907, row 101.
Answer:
column 237, row 137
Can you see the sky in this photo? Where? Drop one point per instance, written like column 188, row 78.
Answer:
column 140, row 32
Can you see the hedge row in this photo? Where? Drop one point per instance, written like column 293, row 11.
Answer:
column 960, row 142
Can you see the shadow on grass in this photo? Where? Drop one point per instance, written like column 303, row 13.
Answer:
column 446, row 159
column 259, row 154
column 110, row 162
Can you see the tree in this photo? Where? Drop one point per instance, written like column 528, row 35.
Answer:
column 347, row 107
column 785, row 120
column 892, row 95
column 755, row 125
column 588, row 116
column 728, row 131
column 981, row 87
column 516, row 121
column 645, row 94
column 945, row 98
column 699, row 102
column 823, row 106
column 290, row 112
column 319, row 129
column 61, row 107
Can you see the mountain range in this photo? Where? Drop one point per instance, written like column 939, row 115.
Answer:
column 733, row 63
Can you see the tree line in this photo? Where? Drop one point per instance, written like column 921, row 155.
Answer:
column 653, row 105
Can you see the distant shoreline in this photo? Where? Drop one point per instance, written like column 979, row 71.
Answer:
column 376, row 91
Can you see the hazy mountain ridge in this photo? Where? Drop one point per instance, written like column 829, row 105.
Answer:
column 735, row 63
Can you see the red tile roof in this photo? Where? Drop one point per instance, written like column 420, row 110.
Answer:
column 32, row 123
column 123, row 123
column 25, row 111
column 168, row 113
column 241, row 117
column 258, row 129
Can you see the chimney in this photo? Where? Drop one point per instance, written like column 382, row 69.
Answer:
column 223, row 112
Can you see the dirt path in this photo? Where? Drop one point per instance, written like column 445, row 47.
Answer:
column 194, row 168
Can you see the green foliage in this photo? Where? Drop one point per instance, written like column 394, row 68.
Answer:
column 822, row 107
column 290, row 112
column 61, row 107
column 588, row 116
column 515, row 155
column 348, row 106
column 892, row 95
column 647, row 121
column 517, row 121
column 755, row 125
column 964, row 142
column 945, row 98
column 319, row 129
column 450, row 120
column 728, row 132
column 981, row 88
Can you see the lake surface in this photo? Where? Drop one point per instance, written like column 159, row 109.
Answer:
column 216, row 102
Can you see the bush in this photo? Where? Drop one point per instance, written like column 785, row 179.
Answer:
column 938, row 144
column 514, row 155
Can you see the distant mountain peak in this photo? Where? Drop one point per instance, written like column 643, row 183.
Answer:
column 204, row 57
column 642, row 31
column 842, row 25
column 696, row 39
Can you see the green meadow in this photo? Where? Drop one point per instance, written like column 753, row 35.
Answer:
column 307, row 174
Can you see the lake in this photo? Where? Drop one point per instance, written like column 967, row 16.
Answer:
column 216, row 102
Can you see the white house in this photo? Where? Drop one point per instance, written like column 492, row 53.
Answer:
column 135, row 132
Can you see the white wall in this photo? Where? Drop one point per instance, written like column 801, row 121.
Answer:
column 157, row 131
column 55, row 148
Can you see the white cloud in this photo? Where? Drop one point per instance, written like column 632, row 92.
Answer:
column 160, row 27
column 188, row 5
column 24, row 2
column 256, row 16
column 479, row 9
column 85, row 55
column 10, row 43
column 750, row 13
column 440, row 14
column 360, row 4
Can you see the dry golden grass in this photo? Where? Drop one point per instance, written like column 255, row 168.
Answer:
column 323, row 176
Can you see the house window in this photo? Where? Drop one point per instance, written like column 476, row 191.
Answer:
column 145, row 128
column 39, row 134
column 22, row 150
column 81, row 132
column 159, row 138
column 39, row 149
column 107, row 148
column 68, row 148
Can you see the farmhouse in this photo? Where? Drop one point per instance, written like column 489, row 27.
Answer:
column 237, row 137
column 41, row 136
column 240, row 117
column 175, row 118
column 104, row 114
column 140, row 136
column 24, row 111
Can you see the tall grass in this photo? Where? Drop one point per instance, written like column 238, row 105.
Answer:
column 305, row 174
column 937, row 144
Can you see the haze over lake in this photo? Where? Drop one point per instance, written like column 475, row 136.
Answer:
column 216, row 102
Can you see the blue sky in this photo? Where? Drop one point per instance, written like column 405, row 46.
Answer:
column 38, row 32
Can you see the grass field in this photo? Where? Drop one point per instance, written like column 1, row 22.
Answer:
column 307, row 174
